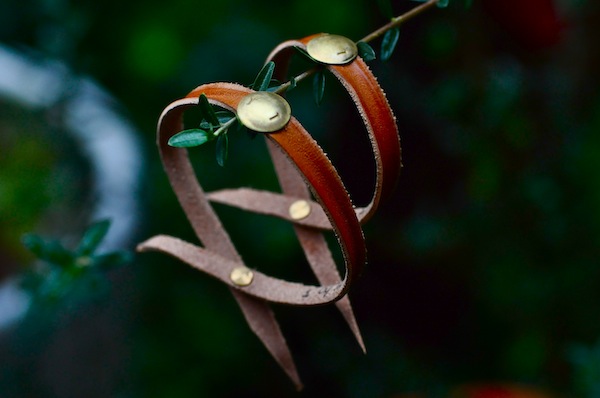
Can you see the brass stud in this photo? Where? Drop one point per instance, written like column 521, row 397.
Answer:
column 299, row 209
column 241, row 276
column 332, row 49
column 264, row 112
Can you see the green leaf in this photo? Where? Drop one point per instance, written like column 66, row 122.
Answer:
column 388, row 44
column 319, row 86
column 50, row 251
column 92, row 237
column 385, row 6
column 468, row 4
column 111, row 260
column 222, row 116
column 239, row 127
column 35, row 244
column 190, row 138
column 273, row 85
column 293, row 83
column 207, row 112
column 263, row 79
column 365, row 51
column 222, row 149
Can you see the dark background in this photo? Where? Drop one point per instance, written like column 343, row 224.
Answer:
column 483, row 266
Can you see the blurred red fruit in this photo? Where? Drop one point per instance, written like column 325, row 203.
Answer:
column 534, row 24
column 498, row 391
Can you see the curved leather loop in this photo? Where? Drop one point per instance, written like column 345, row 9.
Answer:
column 316, row 170
column 374, row 109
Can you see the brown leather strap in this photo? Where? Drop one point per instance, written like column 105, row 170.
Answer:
column 219, row 256
column 300, row 164
column 311, row 240
column 318, row 173
column 211, row 234
column 379, row 121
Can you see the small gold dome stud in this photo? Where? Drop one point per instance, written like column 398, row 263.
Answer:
column 299, row 209
column 264, row 112
column 332, row 49
column 241, row 276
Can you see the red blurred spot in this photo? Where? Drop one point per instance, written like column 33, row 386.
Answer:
column 498, row 391
column 535, row 24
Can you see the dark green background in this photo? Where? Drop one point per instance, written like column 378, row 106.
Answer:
column 483, row 266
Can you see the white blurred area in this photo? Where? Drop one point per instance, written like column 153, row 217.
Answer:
column 106, row 139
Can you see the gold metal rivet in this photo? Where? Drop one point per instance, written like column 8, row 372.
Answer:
column 264, row 112
column 241, row 276
column 332, row 49
column 299, row 209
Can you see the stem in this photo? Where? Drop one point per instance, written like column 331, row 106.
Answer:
column 224, row 126
column 399, row 20
column 285, row 86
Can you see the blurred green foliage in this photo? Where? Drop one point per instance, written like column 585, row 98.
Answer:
column 482, row 267
column 63, row 272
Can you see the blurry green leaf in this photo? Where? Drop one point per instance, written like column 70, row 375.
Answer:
column 92, row 237
column 35, row 244
column 468, row 4
column 222, row 149
column 385, row 6
column 111, row 260
column 56, row 253
column 365, row 51
column 190, row 138
column 586, row 368
column 319, row 86
column 207, row 112
column 388, row 44
column 263, row 79
column 51, row 251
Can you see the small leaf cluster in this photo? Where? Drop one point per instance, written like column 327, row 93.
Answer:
column 63, row 271
column 216, row 124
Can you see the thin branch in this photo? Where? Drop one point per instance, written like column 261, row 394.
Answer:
column 399, row 20
column 285, row 86
column 223, row 128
